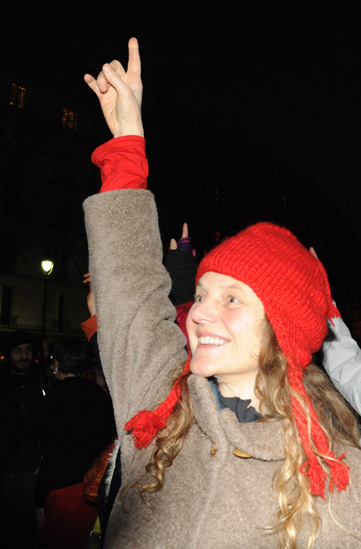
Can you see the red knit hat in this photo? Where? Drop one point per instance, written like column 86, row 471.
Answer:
column 293, row 287
column 291, row 283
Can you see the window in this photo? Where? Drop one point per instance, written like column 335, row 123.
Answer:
column 17, row 96
column 70, row 119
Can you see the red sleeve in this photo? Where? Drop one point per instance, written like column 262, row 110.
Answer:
column 123, row 163
column 90, row 326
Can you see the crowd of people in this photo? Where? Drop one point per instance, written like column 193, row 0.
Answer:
column 224, row 407
column 58, row 430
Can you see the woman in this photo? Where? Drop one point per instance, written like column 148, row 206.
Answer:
column 247, row 446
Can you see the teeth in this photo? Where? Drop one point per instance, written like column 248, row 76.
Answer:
column 208, row 340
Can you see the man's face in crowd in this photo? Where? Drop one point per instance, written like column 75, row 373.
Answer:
column 21, row 358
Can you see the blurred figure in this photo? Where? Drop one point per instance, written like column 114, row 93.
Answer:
column 22, row 392
column 90, row 327
column 79, row 426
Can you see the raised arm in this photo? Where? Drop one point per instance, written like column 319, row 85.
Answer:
column 181, row 265
column 139, row 342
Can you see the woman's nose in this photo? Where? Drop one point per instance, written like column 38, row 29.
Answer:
column 204, row 312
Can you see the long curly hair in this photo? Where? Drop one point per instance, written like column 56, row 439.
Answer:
column 292, row 487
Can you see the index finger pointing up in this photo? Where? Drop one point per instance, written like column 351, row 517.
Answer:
column 134, row 57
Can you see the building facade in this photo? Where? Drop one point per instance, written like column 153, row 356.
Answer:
column 45, row 174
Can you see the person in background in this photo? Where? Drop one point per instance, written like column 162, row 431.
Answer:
column 22, row 396
column 89, row 327
column 79, row 426
column 341, row 357
column 111, row 478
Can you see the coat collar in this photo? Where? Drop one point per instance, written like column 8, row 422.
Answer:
column 263, row 439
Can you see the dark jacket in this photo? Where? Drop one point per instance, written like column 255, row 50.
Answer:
column 21, row 418
column 79, row 426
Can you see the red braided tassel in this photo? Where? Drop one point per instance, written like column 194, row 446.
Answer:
column 146, row 424
column 317, row 476
column 339, row 475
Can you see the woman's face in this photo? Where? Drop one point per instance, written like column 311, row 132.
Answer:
column 225, row 327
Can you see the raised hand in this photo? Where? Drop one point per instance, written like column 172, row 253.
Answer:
column 173, row 243
column 90, row 300
column 120, row 93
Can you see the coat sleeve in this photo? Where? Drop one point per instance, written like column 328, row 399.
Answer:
column 342, row 361
column 140, row 344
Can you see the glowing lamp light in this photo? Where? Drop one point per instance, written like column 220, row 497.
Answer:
column 47, row 266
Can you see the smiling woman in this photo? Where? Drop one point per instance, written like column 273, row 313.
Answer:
column 205, row 468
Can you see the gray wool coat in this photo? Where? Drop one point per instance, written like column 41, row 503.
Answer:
column 218, row 493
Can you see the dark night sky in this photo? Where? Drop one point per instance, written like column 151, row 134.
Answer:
column 287, row 73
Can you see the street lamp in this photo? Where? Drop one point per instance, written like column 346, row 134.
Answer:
column 47, row 267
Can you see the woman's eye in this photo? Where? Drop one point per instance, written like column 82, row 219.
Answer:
column 232, row 299
column 198, row 298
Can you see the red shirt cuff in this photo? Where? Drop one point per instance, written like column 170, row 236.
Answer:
column 123, row 163
column 90, row 326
